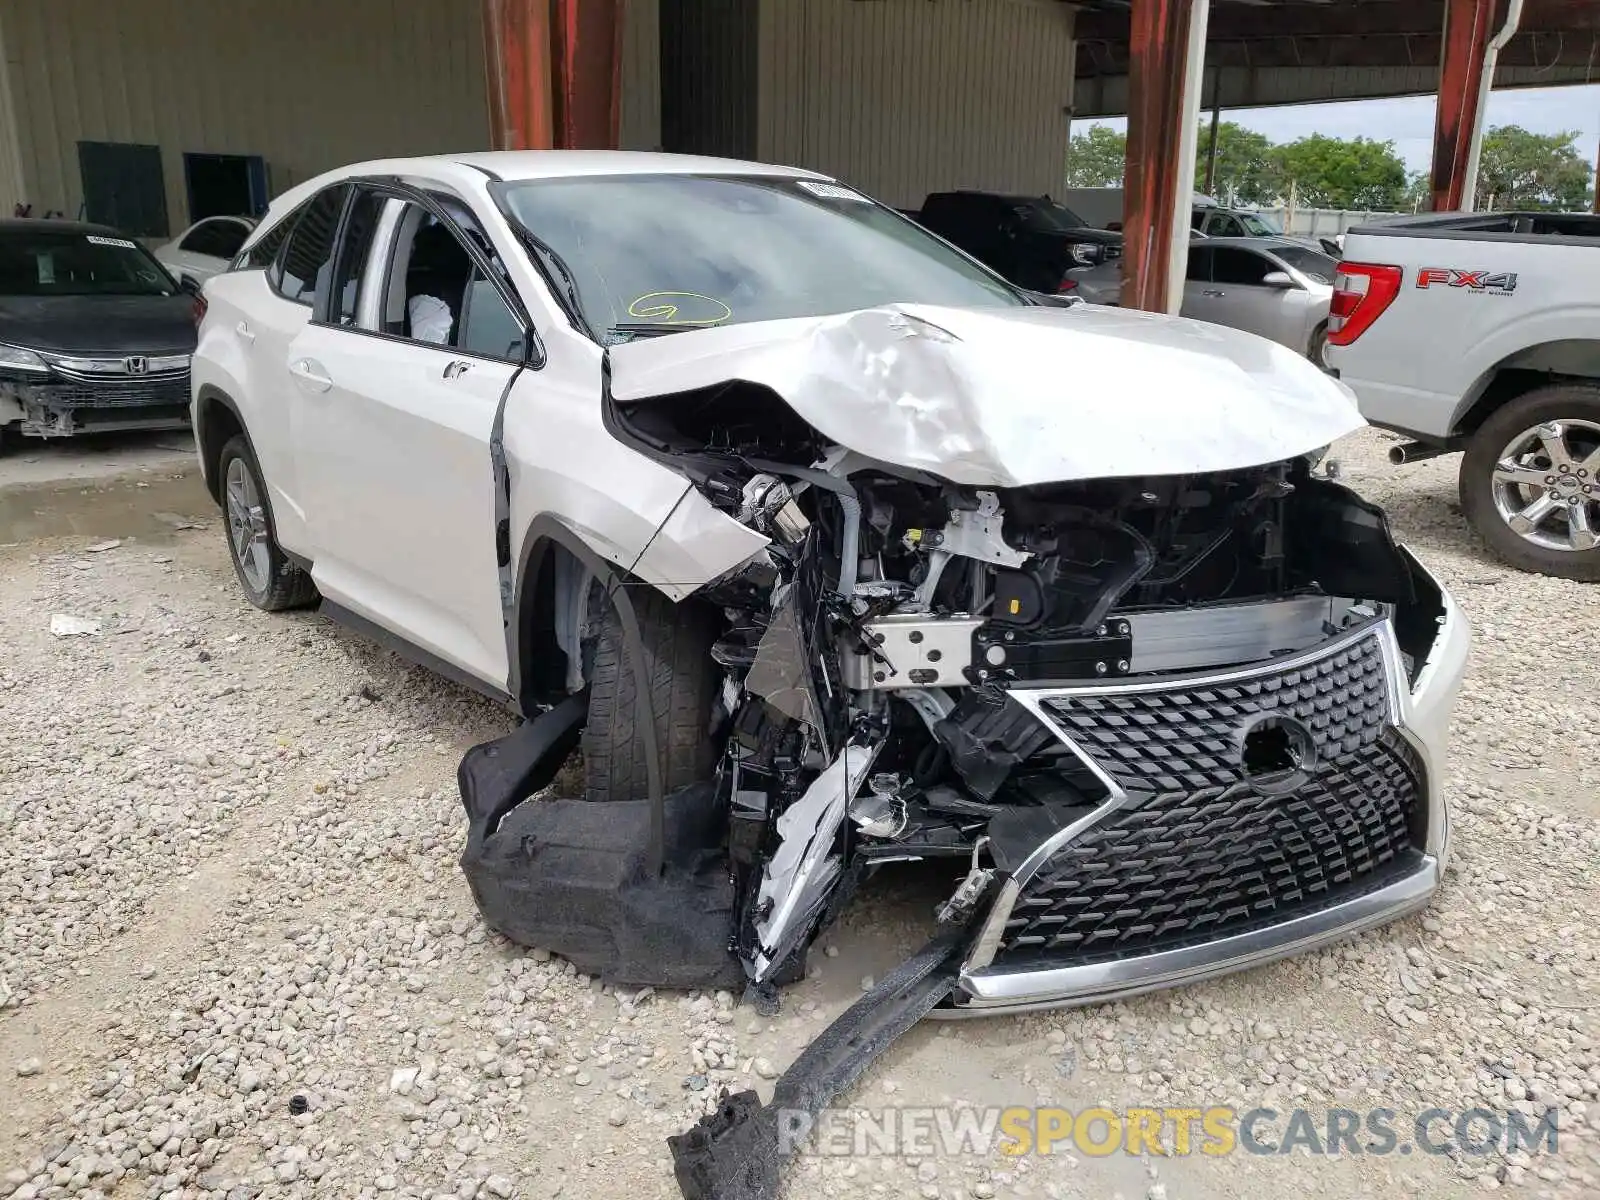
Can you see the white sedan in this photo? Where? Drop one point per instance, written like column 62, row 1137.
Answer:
column 205, row 248
column 833, row 550
column 1272, row 286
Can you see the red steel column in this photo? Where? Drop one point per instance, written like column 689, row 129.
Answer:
column 1155, row 174
column 554, row 71
column 588, row 72
column 516, row 41
column 1468, row 25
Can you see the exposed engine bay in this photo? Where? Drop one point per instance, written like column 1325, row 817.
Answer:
column 869, row 651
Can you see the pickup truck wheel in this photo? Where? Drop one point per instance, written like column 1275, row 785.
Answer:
column 1529, row 485
column 270, row 581
column 683, row 688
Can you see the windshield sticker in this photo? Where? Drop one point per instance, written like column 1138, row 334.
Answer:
column 95, row 239
column 832, row 191
column 664, row 308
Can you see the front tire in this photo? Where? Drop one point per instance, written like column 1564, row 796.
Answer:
column 683, row 687
column 1528, row 481
column 270, row 581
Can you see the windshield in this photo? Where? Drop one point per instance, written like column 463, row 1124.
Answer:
column 1318, row 268
column 1258, row 226
column 682, row 251
column 1046, row 216
column 59, row 262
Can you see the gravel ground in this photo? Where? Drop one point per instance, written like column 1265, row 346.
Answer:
column 238, row 959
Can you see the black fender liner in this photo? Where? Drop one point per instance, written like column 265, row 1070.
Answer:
column 737, row 1152
column 546, row 529
column 574, row 877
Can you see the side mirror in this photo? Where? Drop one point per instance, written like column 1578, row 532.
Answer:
column 1277, row 279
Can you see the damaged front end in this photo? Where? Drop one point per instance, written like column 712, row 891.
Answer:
column 1144, row 713
column 1160, row 726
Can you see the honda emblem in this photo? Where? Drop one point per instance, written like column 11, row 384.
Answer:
column 138, row 364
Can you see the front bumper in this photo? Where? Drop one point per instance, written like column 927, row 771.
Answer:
column 67, row 401
column 1414, row 729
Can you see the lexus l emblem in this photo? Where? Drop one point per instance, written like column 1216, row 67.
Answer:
column 136, row 365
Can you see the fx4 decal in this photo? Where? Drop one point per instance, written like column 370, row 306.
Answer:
column 1501, row 283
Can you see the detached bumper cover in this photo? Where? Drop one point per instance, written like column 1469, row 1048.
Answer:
column 1189, row 870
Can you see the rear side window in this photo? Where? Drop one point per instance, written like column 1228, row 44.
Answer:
column 308, row 254
column 1199, row 264
column 263, row 253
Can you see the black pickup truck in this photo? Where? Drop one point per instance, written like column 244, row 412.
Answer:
column 1031, row 240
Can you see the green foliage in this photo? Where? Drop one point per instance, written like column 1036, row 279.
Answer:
column 1096, row 158
column 1519, row 169
column 1247, row 168
column 1337, row 173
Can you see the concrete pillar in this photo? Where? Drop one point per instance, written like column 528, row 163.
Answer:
column 554, row 73
column 1467, row 26
column 1165, row 68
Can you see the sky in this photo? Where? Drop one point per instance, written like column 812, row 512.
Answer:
column 1407, row 121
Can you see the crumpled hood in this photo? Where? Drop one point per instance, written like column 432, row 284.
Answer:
column 1012, row 397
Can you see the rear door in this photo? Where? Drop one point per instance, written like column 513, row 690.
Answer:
column 1198, row 302
column 398, row 379
column 254, row 311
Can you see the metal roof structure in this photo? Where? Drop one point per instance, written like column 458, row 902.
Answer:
column 1267, row 52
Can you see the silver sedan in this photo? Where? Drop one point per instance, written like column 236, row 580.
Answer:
column 1274, row 287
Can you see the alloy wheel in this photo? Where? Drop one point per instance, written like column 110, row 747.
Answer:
column 247, row 526
column 1545, row 487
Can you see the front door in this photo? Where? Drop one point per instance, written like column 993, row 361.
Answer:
column 397, row 384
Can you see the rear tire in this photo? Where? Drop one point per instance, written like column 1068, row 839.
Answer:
column 1508, row 474
column 269, row 580
column 683, row 687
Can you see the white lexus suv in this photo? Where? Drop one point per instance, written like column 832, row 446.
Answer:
column 830, row 549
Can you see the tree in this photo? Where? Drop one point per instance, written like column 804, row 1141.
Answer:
column 1097, row 158
column 1519, row 169
column 1338, row 173
column 1247, row 169
column 1418, row 194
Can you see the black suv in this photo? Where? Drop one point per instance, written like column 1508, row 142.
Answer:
column 1032, row 240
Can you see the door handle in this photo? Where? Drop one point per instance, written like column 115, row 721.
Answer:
column 1212, row 292
column 311, row 374
column 456, row 368
column 243, row 330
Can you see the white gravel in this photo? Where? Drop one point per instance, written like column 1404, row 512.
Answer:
column 238, row 959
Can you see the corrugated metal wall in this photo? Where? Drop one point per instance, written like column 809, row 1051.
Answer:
column 308, row 84
column 641, row 75
column 904, row 97
column 12, row 189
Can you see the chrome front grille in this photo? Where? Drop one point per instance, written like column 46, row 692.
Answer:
column 1196, row 849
